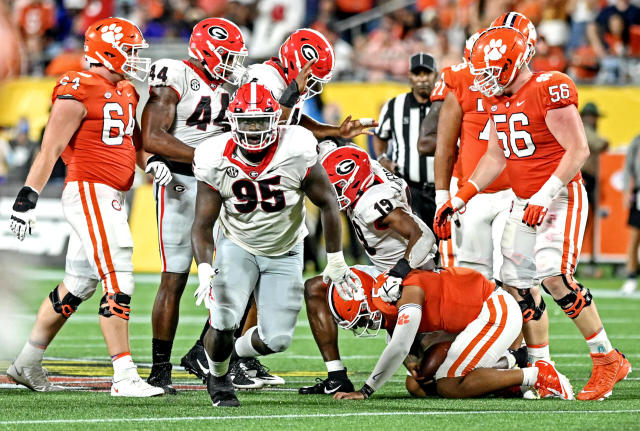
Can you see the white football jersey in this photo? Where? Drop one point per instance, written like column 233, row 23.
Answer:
column 267, row 75
column 263, row 206
column 383, row 245
column 202, row 103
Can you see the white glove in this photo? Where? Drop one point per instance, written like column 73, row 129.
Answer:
column 205, row 276
column 390, row 290
column 23, row 217
column 340, row 275
column 159, row 169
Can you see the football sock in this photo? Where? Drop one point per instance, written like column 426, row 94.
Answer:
column 244, row 347
column 334, row 365
column 31, row 353
column 161, row 350
column 207, row 325
column 122, row 362
column 599, row 342
column 538, row 352
column 338, row 375
column 217, row 369
column 530, row 376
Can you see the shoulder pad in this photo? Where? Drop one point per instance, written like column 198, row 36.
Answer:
column 555, row 90
column 169, row 73
column 74, row 85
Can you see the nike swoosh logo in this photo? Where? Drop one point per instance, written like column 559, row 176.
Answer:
column 377, row 375
column 326, row 391
column 204, row 369
column 520, row 103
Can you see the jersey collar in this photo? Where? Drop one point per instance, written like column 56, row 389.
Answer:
column 253, row 171
column 212, row 83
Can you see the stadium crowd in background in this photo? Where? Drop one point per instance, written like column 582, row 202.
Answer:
column 592, row 40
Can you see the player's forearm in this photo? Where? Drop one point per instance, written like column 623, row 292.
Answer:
column 488, row 169
column 41, row 169
column 443, row 163
column 202, row 242
column 319, row 130
column 571, row 162
column 164, row 144
column 332, row 227
column 396, row 351
column 379, row 146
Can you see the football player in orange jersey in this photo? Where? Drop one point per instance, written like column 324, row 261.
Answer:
column 93, row 126
column 537, row 136
column 458, row 303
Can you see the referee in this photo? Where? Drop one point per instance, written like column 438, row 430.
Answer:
column 396, row 138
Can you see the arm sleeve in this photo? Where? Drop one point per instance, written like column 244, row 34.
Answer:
column 409, row 316
column 168, row 73
column 384, row 129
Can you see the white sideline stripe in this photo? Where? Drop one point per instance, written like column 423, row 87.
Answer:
column 303, row 416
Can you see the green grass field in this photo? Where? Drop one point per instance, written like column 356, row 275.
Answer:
column 79, row 352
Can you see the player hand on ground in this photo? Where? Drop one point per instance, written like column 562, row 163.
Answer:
column 391, row 290
column 205, row 277
column 349, row 128
column 157, row 167
column 23, row 217
column 348, row 396
column 338, row 272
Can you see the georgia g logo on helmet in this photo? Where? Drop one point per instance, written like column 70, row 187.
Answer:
column 345, row 167
column 309, row 52
column 218, row 33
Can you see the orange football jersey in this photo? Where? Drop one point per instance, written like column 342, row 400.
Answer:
column 532, row 152
column 102, row 150
column 440, row 89
column 474, row 133
column 453, row 298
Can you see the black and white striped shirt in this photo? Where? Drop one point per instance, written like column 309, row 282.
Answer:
column 400, row 120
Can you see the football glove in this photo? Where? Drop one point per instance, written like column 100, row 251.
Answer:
column 338, row 273
column 158, row 167
column 538, row 205
column 450, row 210
column 391, row 290
column 205, row 277
column 23, row 217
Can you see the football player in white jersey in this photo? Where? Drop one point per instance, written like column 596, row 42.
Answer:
column 253, row 182
column 187, row 103
column 394, row 238
column 304, row 65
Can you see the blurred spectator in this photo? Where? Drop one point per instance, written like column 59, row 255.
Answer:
column 582, row 12
column 631, row 192
column 241, row 12
column 604, row 24
column 275, row 21
column 21, row 152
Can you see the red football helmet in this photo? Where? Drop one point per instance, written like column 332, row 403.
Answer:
column 114, row 43
column 496, row 59
column 219, row 45
column 253, row 115
column 302, row 46
column 468, row 45
column 521, row 23
column 349, row 170
column 356, row 314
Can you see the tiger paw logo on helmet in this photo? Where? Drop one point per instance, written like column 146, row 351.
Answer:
column 494, row 50
column 112, row 33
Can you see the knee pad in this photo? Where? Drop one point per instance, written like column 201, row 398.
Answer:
column 115, row 304
column 528, row 306
column 578, row 297
column 67, row 306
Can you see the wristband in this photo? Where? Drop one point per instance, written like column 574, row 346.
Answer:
column 467, row 191
column 26, row 200
column 367, row 391
column 401, row 269
column 442, row 196
column 158, row 158
column 290, row 95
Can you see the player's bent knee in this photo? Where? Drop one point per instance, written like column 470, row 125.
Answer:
column 65, row 306
column 115, row 304
column 82, row 287
column 572, row 303
column 449, row 387
column 279, row 343
column 125, row 282
column 530, row 311
column 314, row 288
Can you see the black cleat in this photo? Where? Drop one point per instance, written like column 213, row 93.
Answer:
column 255, row 369
column 195, row 362
column 241, row 379
column 522, row 356
column 338, row 382
column 221, row 391
column 160, row 377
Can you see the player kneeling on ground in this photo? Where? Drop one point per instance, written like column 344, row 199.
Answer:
column 459, row 301
column 253, row 181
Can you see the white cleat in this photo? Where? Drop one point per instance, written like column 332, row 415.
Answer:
column 629, row 286
column 33, row 377
column 131, row 385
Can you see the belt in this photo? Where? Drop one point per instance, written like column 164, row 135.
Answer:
column 181, row 168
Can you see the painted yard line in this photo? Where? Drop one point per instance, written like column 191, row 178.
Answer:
column 312, row 415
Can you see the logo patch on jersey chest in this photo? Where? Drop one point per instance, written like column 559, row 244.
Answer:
column 345, row 167
column 232, row 172
column 195, row 85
